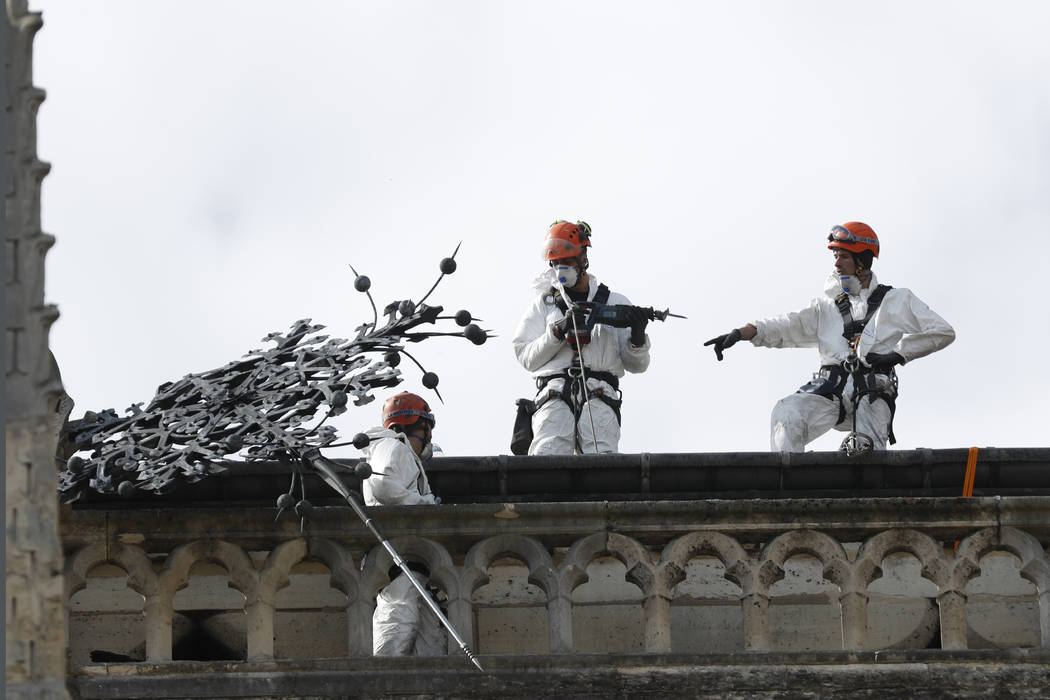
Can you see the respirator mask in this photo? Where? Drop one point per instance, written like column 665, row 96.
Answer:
column 850, row 284
column 567, row 275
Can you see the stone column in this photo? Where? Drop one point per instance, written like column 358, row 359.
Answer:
column 1044, row 618
column 854, row 611
column 260, row 614
column 559, row 624
column 461, row 615
column 359, row 627
column 159, row 613
column 755, row 607
column 952, row 606
column 657, row 624
column 36, row 626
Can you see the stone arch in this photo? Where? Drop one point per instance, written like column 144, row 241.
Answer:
column 640, row 572
column 640, row 569
column 827, row 550
column 175, row 574
column 374, row 577
column 141, row 577
column 1033, row 561
column 378, row 562
column 241, row 577
column 346, row 577
column 535, row 555
column 849, row 617
column 935, row 565
column 274, row 574
column 1033, row 564
column 340, row 562
column 738, row 565
column 541, row 573
column 676, row 555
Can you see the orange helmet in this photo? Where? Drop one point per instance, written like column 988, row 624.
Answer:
column 854, row 237
column 405, row 409
column 565, row 240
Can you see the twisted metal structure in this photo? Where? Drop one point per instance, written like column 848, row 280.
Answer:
column 271, row 404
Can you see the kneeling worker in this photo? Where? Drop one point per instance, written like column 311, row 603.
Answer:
column 862, row 330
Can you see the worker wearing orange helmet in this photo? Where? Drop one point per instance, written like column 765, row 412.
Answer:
column 577, row 364
column 863, row 331
column 401, row 624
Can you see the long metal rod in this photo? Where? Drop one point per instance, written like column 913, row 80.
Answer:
column 313, row 458
column 569, row 305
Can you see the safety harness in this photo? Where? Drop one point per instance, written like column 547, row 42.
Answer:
column 830, row 381
column 852, row 329
column 574, row 392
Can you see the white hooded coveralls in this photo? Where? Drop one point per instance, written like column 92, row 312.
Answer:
column 543, row 354
column 402, row 624
column 902, row 324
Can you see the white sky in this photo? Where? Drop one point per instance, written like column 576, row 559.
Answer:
column 217, row 165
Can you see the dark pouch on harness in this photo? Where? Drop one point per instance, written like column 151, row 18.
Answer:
column 828, row 382
column 522, row 437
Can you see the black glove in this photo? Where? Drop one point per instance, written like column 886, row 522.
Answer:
column 884, row 361
column 723, row 342
column 639, row 319
column 563, row 326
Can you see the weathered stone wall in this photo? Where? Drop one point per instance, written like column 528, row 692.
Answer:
column 672, row 578
column 510, row 614
column 36, row 629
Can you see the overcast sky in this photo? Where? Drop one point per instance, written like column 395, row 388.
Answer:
column 216, row 166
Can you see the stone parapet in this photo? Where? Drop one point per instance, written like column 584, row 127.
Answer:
column 556, row 546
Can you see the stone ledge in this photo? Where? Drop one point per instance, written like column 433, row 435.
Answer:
column 1011, row 673
column 749, row 520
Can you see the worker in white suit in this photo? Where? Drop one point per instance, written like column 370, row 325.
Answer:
column 576, row 364
column 403, row 624
column 863, row 330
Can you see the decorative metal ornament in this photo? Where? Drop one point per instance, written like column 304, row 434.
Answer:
column 271, row 404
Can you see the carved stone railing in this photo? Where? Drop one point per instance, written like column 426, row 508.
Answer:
column 556, row 542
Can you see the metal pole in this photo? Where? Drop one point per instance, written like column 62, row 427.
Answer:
column 323, row 466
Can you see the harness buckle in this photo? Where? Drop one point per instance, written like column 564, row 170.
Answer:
column 851, row 364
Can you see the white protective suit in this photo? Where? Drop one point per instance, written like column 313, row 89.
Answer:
column 402, row 624
column 902, row 324
column 542, row 354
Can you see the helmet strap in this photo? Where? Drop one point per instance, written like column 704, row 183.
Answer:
column 421, row 437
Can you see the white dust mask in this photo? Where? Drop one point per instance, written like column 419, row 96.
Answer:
column 850, row 284
column 567, row 275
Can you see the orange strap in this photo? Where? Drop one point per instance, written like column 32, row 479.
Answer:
column 971, row 472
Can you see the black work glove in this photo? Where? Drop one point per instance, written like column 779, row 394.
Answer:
column 639, row 319
column 883, row 360
column 723, row 342
column 563, row 326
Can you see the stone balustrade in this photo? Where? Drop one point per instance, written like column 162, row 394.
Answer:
column 655, row 542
